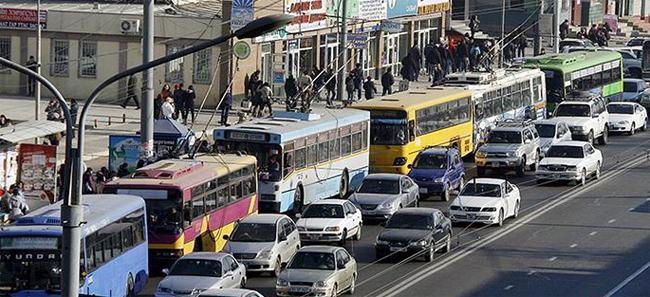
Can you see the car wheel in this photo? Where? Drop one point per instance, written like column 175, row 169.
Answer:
column 447, row 247
column 297, row 200
column 533, row 167
column 335, row 290
column 353, row 285
column 632, row 128
column 344, row 185
column 446, row 192
column 357, row 236
column 500, row 223
column 583, row 179
column 242, row 283
column 130, row 286
column 597, row 173
column 480, row 171
column 430, row 253
column 461, row 183
column 344, row 238
column 521, row 170
column 645, row 125
column 602, row 140
column 417, row 202
column 590, row 137
column 278, row 267
column 515, row 214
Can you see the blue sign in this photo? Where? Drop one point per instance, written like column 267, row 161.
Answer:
column 124, row 149
column 241, row 14
column 402, row 8
column 278, row 77
column 358, row 40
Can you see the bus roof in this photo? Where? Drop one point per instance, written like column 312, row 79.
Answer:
column 184, row 173
column 495, row 77
column 292, row 125
column 569, row 62
column 414, row 99
column 99, row 211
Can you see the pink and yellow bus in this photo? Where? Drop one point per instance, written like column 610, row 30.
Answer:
column 191, row 204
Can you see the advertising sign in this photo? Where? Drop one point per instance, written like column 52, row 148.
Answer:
column 241, row 14
column 274, row 35
column 334, row 11
column 402, row 8
column 8, row 167
column 372, row 10
column 124, row 149
column 38, row 172
column 278, row 76
column 308, row 15
column 432, row 6
column 22, row 18
column 358, row 40
column 391, row 26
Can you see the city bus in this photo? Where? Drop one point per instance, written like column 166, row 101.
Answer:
column 191, row 203
column 302, row 157
column 403, row 124
column 514, row 93
column 113, row 249
column 598, row 72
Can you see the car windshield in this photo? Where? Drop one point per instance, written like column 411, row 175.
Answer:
column 388, row 127
column 253, row 232
column 620, row 108
column 630, row 86
column 572, row 110
column 504, row 137
column 482, row 190
column 545, row 130
column 323, row 211
column 196, row 267
column 379, row 186
column 410, row 221
column 554, row 85
column 565, row 151
column 430, row 161
column 313, row 260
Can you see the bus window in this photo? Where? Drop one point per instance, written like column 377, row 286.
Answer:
column 127, row 238
column 411, row 131
column 335, row 148
column 345, row 145
column 554, row 85
column 274, row 169
column 301, row 158
column 356, row 142
column 312, row 156
column 288, row 163
column 248, row 186
column 222, row 197
column 211, row 201
column 187, row 214
column 198, row 207
column 323, row 151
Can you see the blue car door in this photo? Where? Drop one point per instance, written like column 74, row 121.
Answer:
column 457, row 168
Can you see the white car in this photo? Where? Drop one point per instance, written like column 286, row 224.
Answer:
column 550, row 132
column 200, row 271
column 570, row 161
column 627, row 117
column 587, row 117
column 263, row 242
column 486, row 200
column 330, row 220
column 230, row 293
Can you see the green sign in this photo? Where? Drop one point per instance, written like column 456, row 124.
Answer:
column 242, row 50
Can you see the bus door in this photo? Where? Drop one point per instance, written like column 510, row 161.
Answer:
column 645, row 61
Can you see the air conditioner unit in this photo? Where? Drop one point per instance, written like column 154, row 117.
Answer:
column 130, row 26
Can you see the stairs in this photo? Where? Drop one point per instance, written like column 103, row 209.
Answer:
column 462, row 27
column 638, row 26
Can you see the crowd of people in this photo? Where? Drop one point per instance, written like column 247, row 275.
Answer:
column 598, row 33
column 13, row 201
column 177, row 104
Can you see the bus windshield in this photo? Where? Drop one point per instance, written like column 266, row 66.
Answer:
column 268, row 156
column 554, row 85
column 164, row 209
column 388, row 127
column 18, row 274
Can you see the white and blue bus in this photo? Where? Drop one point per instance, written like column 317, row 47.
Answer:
column 513, row 93
column 113, row 249
column 302, row 157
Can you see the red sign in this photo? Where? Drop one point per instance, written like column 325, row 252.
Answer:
column 38, row 171
column 22, row 18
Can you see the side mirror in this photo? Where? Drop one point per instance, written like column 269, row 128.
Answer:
column 165, row 271
column 527, row 141
column 596, row 114
column 283, row 265
column 229, row 274
column 382, row 224
column 298, row 215
column 455, row 192
column 226, row 237
column 406, row 191
column 409, row 166
column 341, row 266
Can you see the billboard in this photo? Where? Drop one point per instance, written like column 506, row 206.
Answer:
column 402, row 8
column 241, row 14
column 38, row 172
column 308, row 15
column 22, row 18
column 124, row 149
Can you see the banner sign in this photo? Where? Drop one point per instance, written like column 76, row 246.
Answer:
column 38, row 172
column 358, row 40
column 241, row 14
column 372, row 10
column 432, row 6
column 274, row 35
column 334, row 12
column 391, row 26
column 22, row 18
column 402, row 8
column 308, row 15
column 124, row 149
column 8, row 167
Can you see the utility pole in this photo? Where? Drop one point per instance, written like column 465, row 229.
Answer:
column 556, row 26
column 146, row 113
column 503, row 32
column 538, row 30
column 343, row 52
column 37, row 91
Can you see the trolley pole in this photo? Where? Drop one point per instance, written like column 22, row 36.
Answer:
column 343, row 52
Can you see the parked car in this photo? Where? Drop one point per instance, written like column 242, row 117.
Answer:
column 550, row 132
column 486, row 200
column 382, row 194
column 636, row 41
column 509, row 146
column 421, row 231
column 330, row 220
column 438, row 171
column 200, row 271
column 627, row 117
column 633, row 89
column 230, row 293
column 570, row 161
column 574, row 42
column 587, row 117
column 645, row 99
column 318, row 271
column 263, row 242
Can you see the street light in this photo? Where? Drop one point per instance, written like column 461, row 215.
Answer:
column 74, row 217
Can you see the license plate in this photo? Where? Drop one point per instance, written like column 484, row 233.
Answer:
column 395, row 249
column 555, row 175
column 313, row 236
column 424, row 190
column 471, row 216
column 300, row 289
column 368, row 212
column 495, row 164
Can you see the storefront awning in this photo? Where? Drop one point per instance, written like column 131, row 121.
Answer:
column 29, row 130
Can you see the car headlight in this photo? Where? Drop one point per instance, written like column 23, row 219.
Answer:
column 335, row 228
column 399, row 161
column 281, row 282
column 571, row 168
column 454, row 207
column 321, row 284
column 577, row 128
column 511, row 154
column 623, row 122
column 197, row 292
column 164, row 290
column 489, row 209
column 302, row 228
column 419, row 243
column 382, row 242
column 387, row 205
column 439, row 180
column 542, row 167
column 268, row 254
column 481, row 154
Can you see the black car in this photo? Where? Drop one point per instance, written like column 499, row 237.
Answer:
column 415, row 231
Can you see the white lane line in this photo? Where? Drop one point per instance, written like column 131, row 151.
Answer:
column 627, row 280
column 532, row 272
column 631, row 209
column 611, row 221
column 552, row 259
column 508, row 287
column 593, row 233
column 573, row 246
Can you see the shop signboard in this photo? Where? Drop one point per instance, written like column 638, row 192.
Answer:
column 274, row 35
column 432, row 6
column 278, row 76
column 38, row 172
column 401, row 8
column 334, row 11
column 308, row 15
column 358, row 40
column 391, row 26
column 241, row 14
column 372, row 10
column 22, row 18
column 8, row 167
column 124, row 149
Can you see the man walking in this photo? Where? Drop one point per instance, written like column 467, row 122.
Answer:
column 179, row 101
column 33, row 66
column 387, row 81
column 188, row 106
column 225, row 106
column 416, row 58
column 357, row 77
column 130, row 92
column 330, row 85
column 369, row 88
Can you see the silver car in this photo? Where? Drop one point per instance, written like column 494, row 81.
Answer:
column 510, row 146
column 230, row 293
column 381, row 195
column 263, row 242
column 551, row 132
column 318, row 271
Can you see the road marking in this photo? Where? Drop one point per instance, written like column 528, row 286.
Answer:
column 573, row 246
column 611, row 221
column 593, row 233
column 532, row 272
column 631, row 209
column 552, row 259
column 627, row 280
column 508, row 287
column 407, row 281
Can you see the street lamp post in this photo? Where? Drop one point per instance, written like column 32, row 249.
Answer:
column 71, row 247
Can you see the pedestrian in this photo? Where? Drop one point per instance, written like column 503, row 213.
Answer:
column 266, row 94
column 462, row 52
column 369, row 88
column 188, row 105
column 291, row 88
column 257, row 97
column 179, row 101
column 305, row 83
column 508, row 52
column 387, row 82
column 357, row 79
column 473, row 25
column 16, row 206
column 253, row 84
column 123, row 170
column 442, row 52
column 226, row 104
column 432, row 58
column 74, row 110
column 167, row 109
column 4, row 121
column 247, row 80
column 318, row 76
column 165, row 93
column 330, row 85
column 131, row 92
column 583, row 34
column 522, row 44
column 593, row 34
column 407, row 68
column 416, row 57
column 31, row 82
column 349, row 88
column 88, row 182
column 564, row 29
column 54, row 111
column 101, row 178
column 474, row 53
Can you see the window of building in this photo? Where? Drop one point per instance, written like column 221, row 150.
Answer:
column 60, row 58
column 174, row 69
column 203, row 67
column 5, row 49
column 88, row 59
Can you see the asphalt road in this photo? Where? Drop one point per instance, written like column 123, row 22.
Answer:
column 567, row 241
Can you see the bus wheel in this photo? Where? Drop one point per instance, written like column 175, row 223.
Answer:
column 344, row 186
column 297, row 200
column 130, row 286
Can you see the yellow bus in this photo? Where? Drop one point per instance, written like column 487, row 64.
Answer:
column 403, row 124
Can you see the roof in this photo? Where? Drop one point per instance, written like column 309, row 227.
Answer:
column 263, row 218
column 384, row 176
column 29, row 130
column 570, row 61
column 637, row 80
column 169, row 127
column 329, row 201
column 571, row 143
column 417, row 211
column 550, row 121
column 486, row 180
column 319, row 248
column 99, row 211
column 414, row 99
column 205, row 256
column 227, row 292
column 436, row 150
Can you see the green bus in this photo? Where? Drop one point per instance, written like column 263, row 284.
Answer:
column 597, row 72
